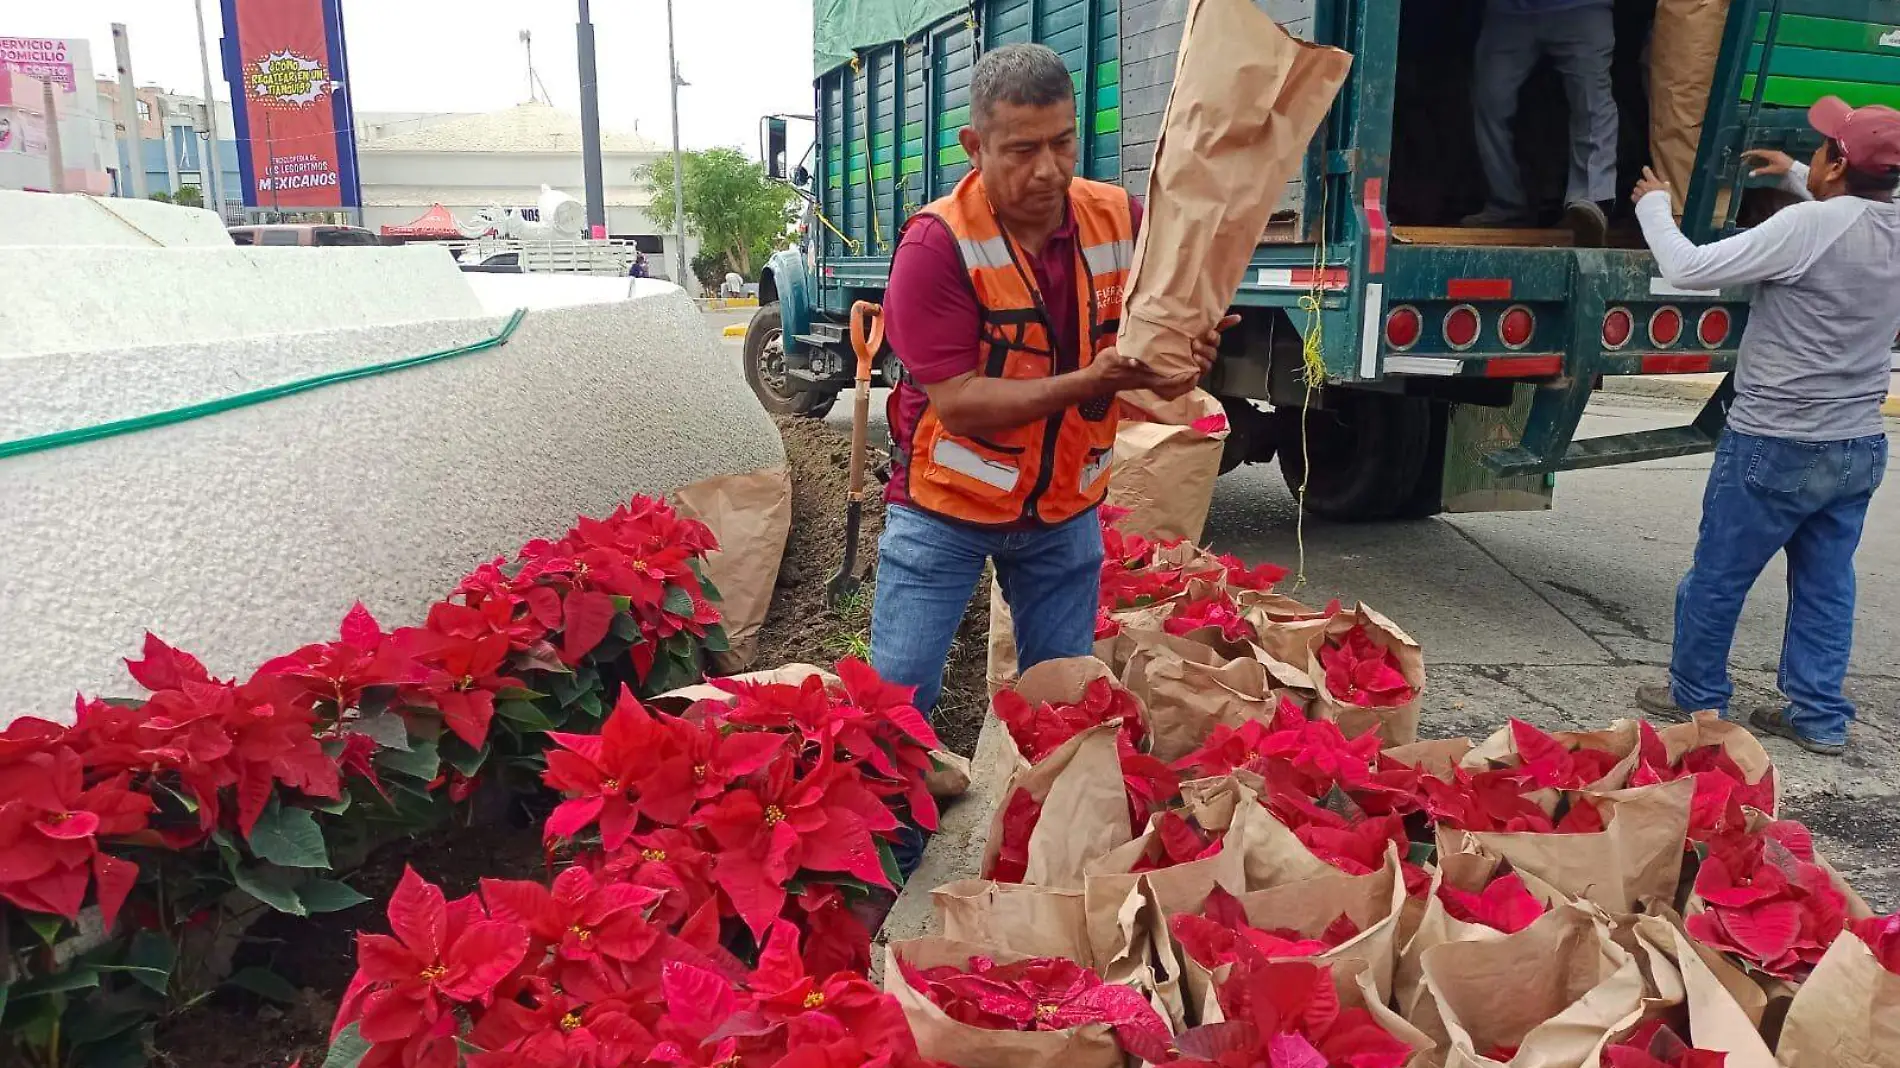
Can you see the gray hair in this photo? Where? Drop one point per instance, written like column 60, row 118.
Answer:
column 1025, row 75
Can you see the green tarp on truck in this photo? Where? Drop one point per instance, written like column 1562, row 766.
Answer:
column 841, row 27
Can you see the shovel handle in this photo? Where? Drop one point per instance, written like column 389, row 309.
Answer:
column 867, row 338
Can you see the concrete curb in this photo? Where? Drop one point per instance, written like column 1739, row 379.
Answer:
column 725, row 303
column 956, row 850
column 735, row 330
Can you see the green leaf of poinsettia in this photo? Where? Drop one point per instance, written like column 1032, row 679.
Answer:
column 325, row 895
column 265, row 984
column 289, row 838
column 679, row 601
column 269, row 889
column 386, row 729
column 348, row 1050
column 421, row 762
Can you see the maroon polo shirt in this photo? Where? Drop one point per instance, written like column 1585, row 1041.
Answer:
column 935, row 325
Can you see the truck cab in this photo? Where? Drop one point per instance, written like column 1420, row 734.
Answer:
column 1415, row 366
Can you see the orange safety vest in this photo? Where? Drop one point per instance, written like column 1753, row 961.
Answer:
column 1056, row 468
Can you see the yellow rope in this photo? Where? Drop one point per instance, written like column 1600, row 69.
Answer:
column 1313, row 375
column 827, row 223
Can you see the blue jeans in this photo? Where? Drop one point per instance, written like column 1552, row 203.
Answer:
column 1766, row 495
column 928, row 569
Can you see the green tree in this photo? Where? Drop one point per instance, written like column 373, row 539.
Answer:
column 731, row 205
column 161, row 196
column 189, row 196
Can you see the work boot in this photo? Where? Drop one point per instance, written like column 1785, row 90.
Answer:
column 1773, row 719
column 1494, row 217
column 1590, row 223
column 1659, row 702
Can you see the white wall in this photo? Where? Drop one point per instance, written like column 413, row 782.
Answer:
column 247, row 534
column 528, row 170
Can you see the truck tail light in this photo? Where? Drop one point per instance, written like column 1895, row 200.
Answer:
column 1618, row 325
column 1516, row 326
column 1665, row 327
column 1713, row 328
column 1403, row 327
column 1461, row 327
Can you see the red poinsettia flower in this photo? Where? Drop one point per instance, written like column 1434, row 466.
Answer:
column 551, row 1028
column 669, row 860
column 1019, row 823
column 1286, row 1014
column 1177, row 841
column 1261, row 577
column 702, row 762
column 589, row 926
column 1216, row 612
column 1222, row 933
column 442, row 954
column 510, row 617
column 1505, row 904
column 1041, row 729
column 336, row 673
column 1546, row 763
column 1312, row 757
column 601, row 774
column 1654, row 1045
column 837, row 939
column 1882, row 936
column 786, row 995
column 460, row 677
column 823, row 821
column 1483, row 801
column 1361, row 672
column 1106, row 625
column 1041, row 994
column 50, row 827
column 1723, row 793
column 1767, row 901
column 902, row 738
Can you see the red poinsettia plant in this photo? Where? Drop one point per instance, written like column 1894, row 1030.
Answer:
column 1504, row 903
column 1654, row 1045
column 1723, row 794
column 581, row 975
column 1216, row 936
column 1359, row 671
column 1765, row 898
column 779, row 784
column 1177, row 839
column 1287, row 1014
column 1041, row 994
column 1216, row 613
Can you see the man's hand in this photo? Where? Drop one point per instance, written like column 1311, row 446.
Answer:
column 1205, row 350
column 1650, row 184
column 1113, row 373
column 1768, row 162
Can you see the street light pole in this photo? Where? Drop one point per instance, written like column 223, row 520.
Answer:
column 679, row 160
column 213, row 159
column 590, row 128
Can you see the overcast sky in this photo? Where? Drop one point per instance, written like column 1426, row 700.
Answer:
column 743, row 58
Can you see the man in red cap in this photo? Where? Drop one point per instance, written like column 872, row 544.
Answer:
column 1806, row 445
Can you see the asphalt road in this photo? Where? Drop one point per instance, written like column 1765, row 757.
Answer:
column 1555, row 617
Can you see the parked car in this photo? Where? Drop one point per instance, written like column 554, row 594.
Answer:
column 308, row 235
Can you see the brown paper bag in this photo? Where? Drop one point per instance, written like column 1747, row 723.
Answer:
column 1246, row 101
column 1218, row 805
column 785, row 675
column 1035, row 921
column 1189, row 687
column 939, row 1038
column 1709, row 728
column 1375, row 903
column 1434, row 756
column 1847, row 1015
column 1636, row 857
column 1059, row 682
column 1164, row 468
column 1470, row 871
column 1681, row 975
column 1554, row 992
column 1084, row 809
column 1396, row 725
column 751, row 514
column 1683, row 47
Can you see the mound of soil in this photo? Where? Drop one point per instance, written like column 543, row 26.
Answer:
column 802, row 628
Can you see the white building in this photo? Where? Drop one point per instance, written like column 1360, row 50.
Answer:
column 502, row 159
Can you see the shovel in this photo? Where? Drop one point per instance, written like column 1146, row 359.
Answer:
column 867, row 338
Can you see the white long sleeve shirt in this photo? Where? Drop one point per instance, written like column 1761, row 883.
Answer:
column 1816, row 354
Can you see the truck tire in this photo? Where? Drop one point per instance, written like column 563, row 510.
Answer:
column 765, row 370
column 1368, row 453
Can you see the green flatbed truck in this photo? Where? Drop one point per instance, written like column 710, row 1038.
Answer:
column 1458, row 363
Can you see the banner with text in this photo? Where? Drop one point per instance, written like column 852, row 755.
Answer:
column 286, row 65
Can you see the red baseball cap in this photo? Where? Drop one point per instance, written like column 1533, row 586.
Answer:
column 1869, row 137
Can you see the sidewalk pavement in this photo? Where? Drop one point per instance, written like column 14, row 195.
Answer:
column 1698, row 388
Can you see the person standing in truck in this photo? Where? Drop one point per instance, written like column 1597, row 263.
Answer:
column 1806, row 446
column 1003, row 306
column 1579, row 37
